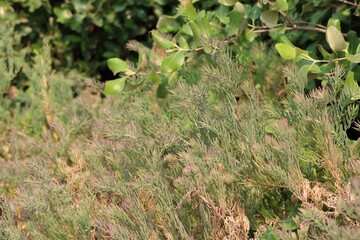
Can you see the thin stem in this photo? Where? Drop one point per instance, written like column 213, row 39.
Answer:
column 303, row 28
column 321, row 61
column 347, row 2
column 287, row 18
column 310, row 23
column 296, row 23
column 296, row 27
column 266, row 27
column 313, row 29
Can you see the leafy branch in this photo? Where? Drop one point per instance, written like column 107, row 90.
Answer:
column 231, row 24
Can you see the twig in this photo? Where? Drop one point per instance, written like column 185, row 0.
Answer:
column 310, row 23
column 349, row 3
column 287, row 18
column 303, row 28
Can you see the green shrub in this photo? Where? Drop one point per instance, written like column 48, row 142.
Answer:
column 83, row 34
column 198, row 165
column 235, row 24
column 202, row 32
column 195, row 165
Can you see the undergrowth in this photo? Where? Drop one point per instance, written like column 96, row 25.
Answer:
column 239, row 150
column 197, row 165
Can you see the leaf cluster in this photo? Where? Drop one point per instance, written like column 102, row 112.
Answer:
column 199, row 31
column 84, row 33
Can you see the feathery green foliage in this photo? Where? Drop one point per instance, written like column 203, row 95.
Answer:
column 197, row 165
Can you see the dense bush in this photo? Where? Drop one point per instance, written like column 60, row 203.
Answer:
column 235, row 25
column 199, row 165
column 239, row 146
column 83, row 34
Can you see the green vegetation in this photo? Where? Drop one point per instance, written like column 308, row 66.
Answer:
column 236, row 24
column 105, row 26
column 233, row 125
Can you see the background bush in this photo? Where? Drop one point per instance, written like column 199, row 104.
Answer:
column 83, row 34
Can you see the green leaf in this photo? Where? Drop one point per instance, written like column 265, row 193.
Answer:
column 204, row 24
column 117, row 65
column 222, row 14
column 224, row 20
column 292, row 4
column 350, row 80
column 63, row 15
column 240, row 8
column 286, row 52
column 183, row 43
column 353, row 58
column 299, row 51
column 324, row 53
column 270, row 18
column 255, row 13
column 173, row 79
column 327, row 68
column 167, row 24
column 352, row 86
column 196, row 33
column 187, row 29
column 98, row 21
column 115, row 86
column 300, row 54
column 278, row 32
column 153, row 77
column 281, row 5
column 190, row 11
column 307, row 7
column 162, row 41
column 334, row 22
column 266, row 212
column 172, row 62
column 353, row 41
column 162, row 90
column 76, row 23
column 250, row 35
column 228, row 2
column 222, row 11
column 285, row 40
column 335, row 39
column 315, row 69
column 289, row 224
column 235, row 23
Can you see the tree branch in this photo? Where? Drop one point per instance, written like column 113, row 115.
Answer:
column 300, row 28
column 295, row 27
column 349, row 3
